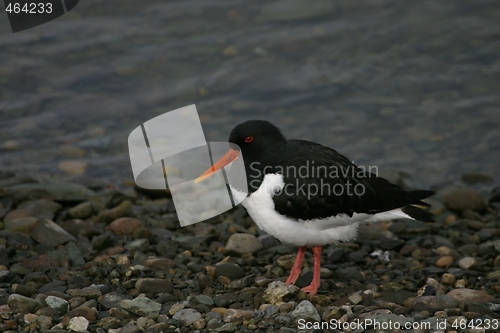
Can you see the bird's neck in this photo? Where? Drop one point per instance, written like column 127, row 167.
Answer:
column 268, row 161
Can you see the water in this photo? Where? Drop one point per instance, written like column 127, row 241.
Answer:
column 411, row 86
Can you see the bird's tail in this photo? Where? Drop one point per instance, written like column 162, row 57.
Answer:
column 416, row 209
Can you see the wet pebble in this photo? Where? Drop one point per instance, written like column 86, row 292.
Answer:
column 187, row 316
column 243, row 243
column 467, row 263
column 306, row 310
column 78, row 324
column 141, row 306
column 462, row 199
column 231, row 271
column 124, row 226
column 154, row 286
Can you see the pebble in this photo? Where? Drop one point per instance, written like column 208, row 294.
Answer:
column 141, row 306
column 493, row 275
column 154, row 286
column 130, row 328
column 124, row 226
column 228, row 327
column 448, row 279
column 204, row 299
column 467, row 263
column 434, row 303
column 278, row 290
column 231, row 271
column 78, row 324
column 82, row 311
column 470, row 295
column 462, row 199
column 235, row 315
column 81, row 211
column 444, row 261
column 23, row 304
column 306, row 310
column 49, row 233
column 57, row 303
column 111, row 300
column 187, row 316
column 243, row 243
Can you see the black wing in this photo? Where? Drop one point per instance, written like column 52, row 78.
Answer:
column 330, row 184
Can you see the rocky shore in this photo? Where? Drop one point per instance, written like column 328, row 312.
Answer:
column 78, row 254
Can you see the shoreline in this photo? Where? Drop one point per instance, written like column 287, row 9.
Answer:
column 86, row 256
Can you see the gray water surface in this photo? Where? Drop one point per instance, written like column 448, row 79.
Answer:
column 405, row 85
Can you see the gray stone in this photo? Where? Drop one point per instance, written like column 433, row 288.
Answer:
column 493, row 275
column 470, row 295
column 111, row 300
column 278, row 290
column 243, row 243
column 130, row 328
column 140, row 244
column 461, row 199
column 228, row 327
column 24, row 290
column 187, row 316
column 231, row 271
column 351, row 273
column 57, row 303
column 42, row 208
column 4, row 275
column 270, row 311
column 241, row 283
column 204, row 299
column 141, row 306
column 81, row 211
column 23, row 304
column 78, row 324
column 23, row 225
column 305, row 310
column 49, row 233
column 74, row 254
column 154, row 286
column 434, row 303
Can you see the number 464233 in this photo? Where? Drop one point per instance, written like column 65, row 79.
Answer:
column 29, row 8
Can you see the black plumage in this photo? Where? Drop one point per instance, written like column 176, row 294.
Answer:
column 319, row 182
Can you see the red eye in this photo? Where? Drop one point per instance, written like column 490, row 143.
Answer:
column 249, row 139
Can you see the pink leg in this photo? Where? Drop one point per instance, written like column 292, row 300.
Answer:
column 313, row 287
column 297, row 266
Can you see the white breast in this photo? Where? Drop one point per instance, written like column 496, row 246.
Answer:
column 318, row 232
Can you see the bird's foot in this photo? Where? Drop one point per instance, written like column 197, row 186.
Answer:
column 312, row 289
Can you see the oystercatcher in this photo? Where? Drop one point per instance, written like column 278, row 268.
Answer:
column 306, row 194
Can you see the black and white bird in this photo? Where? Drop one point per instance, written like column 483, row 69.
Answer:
column 306, row 194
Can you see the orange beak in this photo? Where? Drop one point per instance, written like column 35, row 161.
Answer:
column 228, row 157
